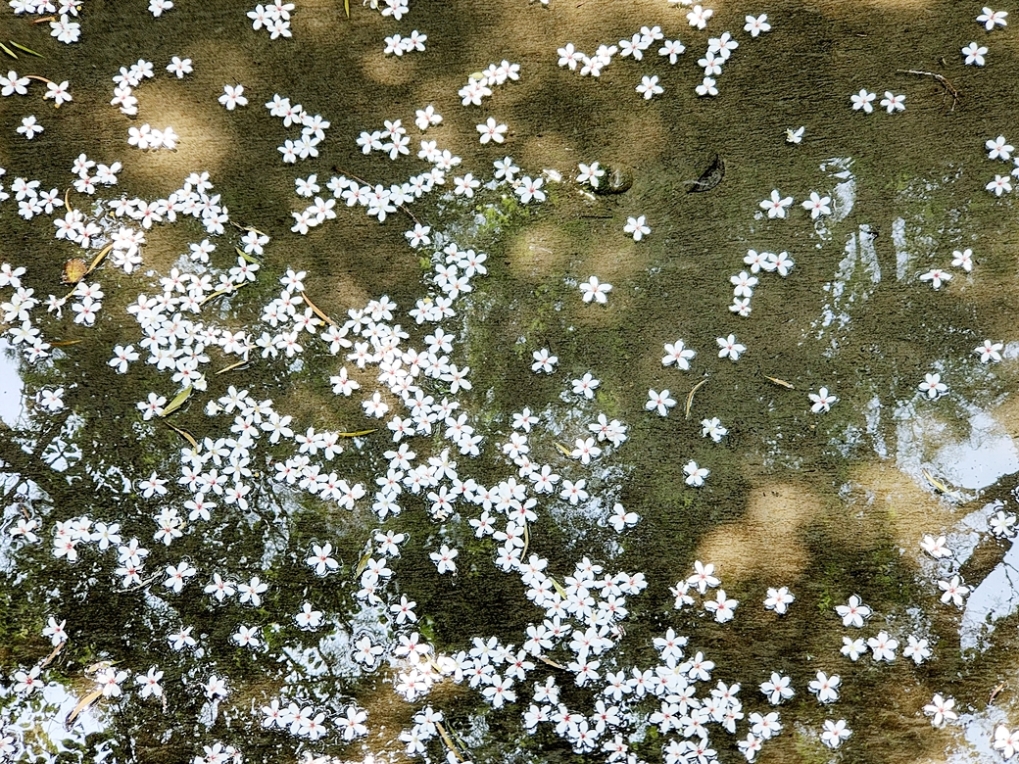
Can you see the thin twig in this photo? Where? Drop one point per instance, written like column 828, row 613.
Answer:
column 689, row 397
column 941, row 80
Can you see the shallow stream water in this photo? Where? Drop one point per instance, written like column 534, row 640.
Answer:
column 830, row 504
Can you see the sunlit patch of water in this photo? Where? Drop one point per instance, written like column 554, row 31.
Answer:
column 768, row 539
column 910, row 507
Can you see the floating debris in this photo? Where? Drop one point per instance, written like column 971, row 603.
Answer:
column 710, row 178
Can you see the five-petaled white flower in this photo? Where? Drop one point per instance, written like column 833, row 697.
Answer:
column 321, row 559
column 853, row 613
column 989, row 351
column 822, row 401
column 528, row 188
column 937, row 277
column 698, row 16
column 778, row 688
column 177, row 576
column 935, row 547
column 776, row 205
column 27, row 682
column 427, row 117
column 638, row 227
column 817, row 205
column 649, row 87
column 444, row 559
column 723, row 607
column 1000, row 185
column 940, row 710
column 999, row 148
column 592, row 289
column 233, row 96
column 932, row 385
column 659, row 401
column 695, row 475
column 149, row 683
column 672, row 49
column 974, row 54
column 963, row 259
column 246, row 636
column 893, row 103
column 586, row 386
column 729, row 348
column 492, row 131
column 1006, row 741
column 990, row 19
column 309, row 619
column 918, row 650
column 591, row 174
column 853, row 648
column 58, row 92
column 544, row 361
column 953, row 590
column 779, row 599
column 757, row 25
column 713, row 428
column 707, row 87
column 1002, row 525
column 825, row 687
column 29, row 127
column 215, row 687
column 883, row 647
column 678, row 354
column 179, row 66
column 743, row 284
column 863, row 101
column 834, row 733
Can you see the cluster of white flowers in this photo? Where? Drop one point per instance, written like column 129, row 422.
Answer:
column 16, row 312
column 87, row 180
column 718, row 52
column 126, row 80
column 864, row 101
column 479, row 86
column 303, row 722
column 273, row 17
column 313, row 126
column 397, row 45
column 61, row 25
column 743, row 283
column 394, row 8
column 12, row 84
column 998, row 149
